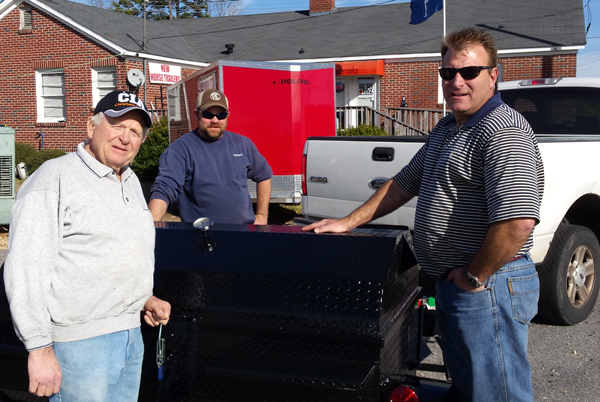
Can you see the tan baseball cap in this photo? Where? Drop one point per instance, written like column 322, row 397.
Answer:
column 212, row 97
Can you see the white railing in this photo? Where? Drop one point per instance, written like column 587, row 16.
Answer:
column 353, row 116
column 421, row 119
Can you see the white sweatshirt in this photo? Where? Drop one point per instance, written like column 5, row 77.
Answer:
column 80, row 257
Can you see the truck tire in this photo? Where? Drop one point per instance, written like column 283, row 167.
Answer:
column 568, row 285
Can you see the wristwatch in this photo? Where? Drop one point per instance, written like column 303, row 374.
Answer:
column 472, row 280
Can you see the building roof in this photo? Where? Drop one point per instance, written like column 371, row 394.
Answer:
column 350, row 33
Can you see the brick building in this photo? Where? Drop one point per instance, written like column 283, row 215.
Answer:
column 54, row 70
column 58, row 56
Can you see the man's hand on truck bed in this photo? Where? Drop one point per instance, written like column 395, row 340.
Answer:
column 328, row 226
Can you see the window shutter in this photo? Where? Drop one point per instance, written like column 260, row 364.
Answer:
column 26, row 18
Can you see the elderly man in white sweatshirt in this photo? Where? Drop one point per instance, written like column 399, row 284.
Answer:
column 80, row 264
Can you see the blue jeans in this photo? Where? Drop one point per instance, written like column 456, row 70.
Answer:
column 104, row 368
column 484, row 333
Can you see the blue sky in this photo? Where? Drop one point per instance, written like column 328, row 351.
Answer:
column 588, row 60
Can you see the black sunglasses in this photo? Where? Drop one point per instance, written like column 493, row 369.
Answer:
column 468, row 73
column 208, row 115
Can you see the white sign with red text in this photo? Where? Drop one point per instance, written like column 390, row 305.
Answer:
column 164, row 73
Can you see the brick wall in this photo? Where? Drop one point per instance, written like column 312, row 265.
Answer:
column 418, row 81
column 518, row 68
column 51, row 44
column 320, row 6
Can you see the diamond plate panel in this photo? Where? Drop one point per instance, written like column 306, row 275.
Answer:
column 272, row 314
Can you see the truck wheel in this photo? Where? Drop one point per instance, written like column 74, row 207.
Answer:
column 568, row 285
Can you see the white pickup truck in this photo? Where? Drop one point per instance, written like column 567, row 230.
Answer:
column 342, row 172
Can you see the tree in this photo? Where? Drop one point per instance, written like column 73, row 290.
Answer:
column 223, row 8
column 100, row 3
column 163, row 9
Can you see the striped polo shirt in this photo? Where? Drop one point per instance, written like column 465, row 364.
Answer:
column 488, row 170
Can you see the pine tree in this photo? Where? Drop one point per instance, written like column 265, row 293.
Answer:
column 163, row 9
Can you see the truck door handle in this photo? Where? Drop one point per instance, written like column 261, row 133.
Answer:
column 383, row 154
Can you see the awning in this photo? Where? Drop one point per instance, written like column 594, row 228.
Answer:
column 369, row 67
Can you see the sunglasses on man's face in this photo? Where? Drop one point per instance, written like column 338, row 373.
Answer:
column 468, row 73
column 208, row 115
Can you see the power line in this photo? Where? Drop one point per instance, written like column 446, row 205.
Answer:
column 588, row 16
column 277, row 6
column 273, row 23
column 350, row 9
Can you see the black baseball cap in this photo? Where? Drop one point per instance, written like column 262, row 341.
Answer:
column 117, row 103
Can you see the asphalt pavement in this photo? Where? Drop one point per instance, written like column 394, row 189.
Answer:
column 565, row 361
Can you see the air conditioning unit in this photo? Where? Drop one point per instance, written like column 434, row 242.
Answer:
column 7, row 173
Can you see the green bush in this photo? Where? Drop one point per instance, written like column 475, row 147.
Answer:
column 24, row 153
column 361, row 130
column 146, row 161
column 33, row 158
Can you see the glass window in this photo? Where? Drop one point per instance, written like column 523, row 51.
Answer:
column 104, row 80
column 340, row 92
column 556, row 110
column 366, row 92
column 50, row 91
column 206, row 83
column 174, row 104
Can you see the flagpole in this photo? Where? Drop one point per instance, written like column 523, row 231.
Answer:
column 444, row 37
column 444, row 5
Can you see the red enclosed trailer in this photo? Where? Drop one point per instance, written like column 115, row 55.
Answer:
column 277, row 105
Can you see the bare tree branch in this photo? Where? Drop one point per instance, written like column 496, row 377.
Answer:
column 100, row 3
column 223, row 8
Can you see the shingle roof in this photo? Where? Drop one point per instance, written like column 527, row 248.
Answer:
column 351, row 32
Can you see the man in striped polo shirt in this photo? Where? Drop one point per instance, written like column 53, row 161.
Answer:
column 479, row 179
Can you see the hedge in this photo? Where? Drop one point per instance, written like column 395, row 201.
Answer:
column 361, row 130
column 34, row 158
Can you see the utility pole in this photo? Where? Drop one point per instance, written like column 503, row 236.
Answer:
column 144, row 45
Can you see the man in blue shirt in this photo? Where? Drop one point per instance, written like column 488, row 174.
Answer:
column 206, row 171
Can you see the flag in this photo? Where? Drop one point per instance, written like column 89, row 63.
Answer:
column 423, row 9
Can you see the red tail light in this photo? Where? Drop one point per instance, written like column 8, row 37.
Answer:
column 403, row 394
column 303, row 172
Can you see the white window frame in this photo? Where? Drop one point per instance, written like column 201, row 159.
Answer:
column 26, row 18
column 101, row 88
column 43, row 98
column 174, row 104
